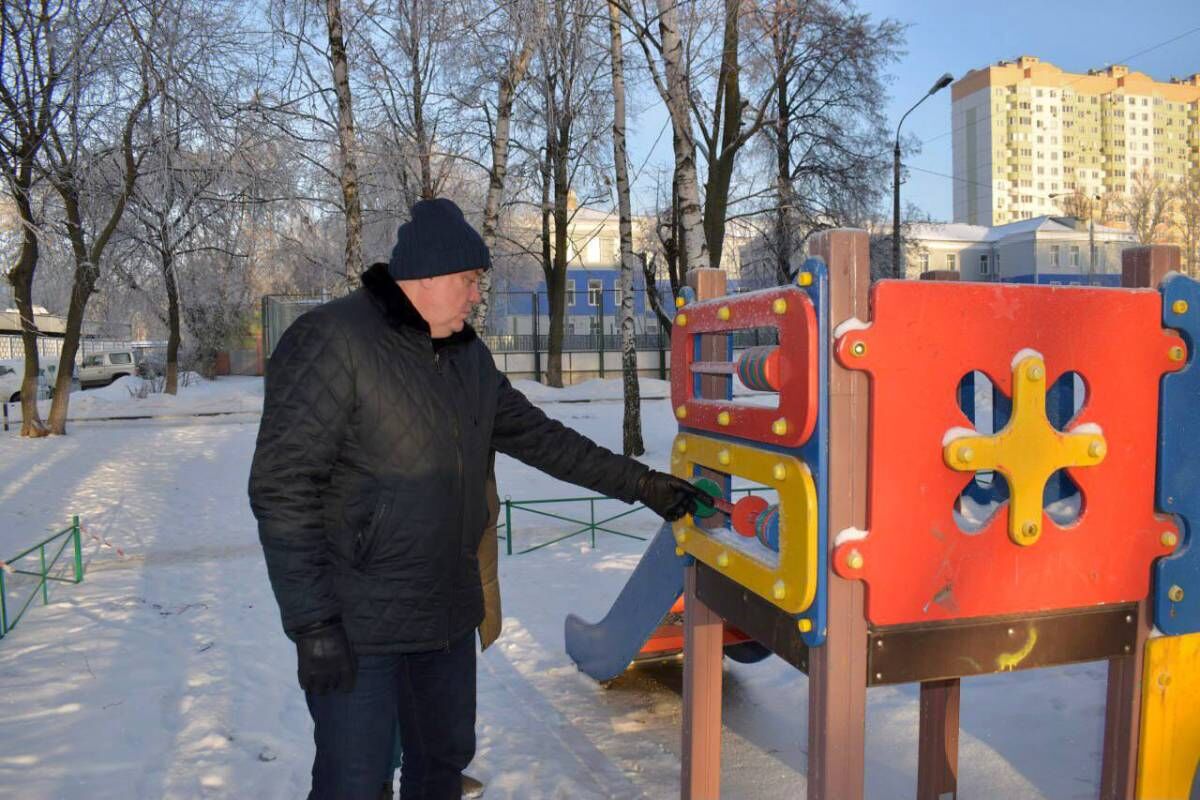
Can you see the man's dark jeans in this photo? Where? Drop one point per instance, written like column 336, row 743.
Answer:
column 432, row 695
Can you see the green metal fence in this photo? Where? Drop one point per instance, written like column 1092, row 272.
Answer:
column 68, row 536
column 589, row 526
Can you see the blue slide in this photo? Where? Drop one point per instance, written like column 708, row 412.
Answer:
column 603, row 650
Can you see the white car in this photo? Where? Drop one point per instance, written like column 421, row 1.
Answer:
column 12, row 373
column 101, row 369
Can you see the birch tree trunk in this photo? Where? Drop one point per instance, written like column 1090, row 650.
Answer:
column 346, row 146
column 781, row 44
column 509, row 81
column 691, row 219
column 632, row 426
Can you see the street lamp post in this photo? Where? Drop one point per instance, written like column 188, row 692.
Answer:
column 897, row 267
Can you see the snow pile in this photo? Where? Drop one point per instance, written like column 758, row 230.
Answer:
column 132, row 396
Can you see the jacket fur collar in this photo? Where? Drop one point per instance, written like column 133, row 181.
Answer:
column 399, row 310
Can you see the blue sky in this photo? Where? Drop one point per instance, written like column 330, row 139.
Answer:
column 945, row 36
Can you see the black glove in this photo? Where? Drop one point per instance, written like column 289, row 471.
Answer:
column 668, row 496
column 325, row 661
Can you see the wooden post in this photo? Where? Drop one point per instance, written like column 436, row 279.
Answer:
column 703, row 629
column 937, row 737
column 1141, row 267
column 937, row 745
column 837, row 678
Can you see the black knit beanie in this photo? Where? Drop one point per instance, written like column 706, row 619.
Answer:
column 437, row 240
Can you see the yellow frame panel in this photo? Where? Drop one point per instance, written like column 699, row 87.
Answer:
column 793, row 584
column 1169, row 749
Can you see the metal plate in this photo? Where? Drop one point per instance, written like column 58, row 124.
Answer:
column 758, row 618
column 910, row 653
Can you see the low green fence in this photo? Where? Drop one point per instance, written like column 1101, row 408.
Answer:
column 68, row 536
column 589, row 526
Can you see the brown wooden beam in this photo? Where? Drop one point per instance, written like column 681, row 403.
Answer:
column 837, row 678
column 703, row 630
column 937, row 745
column 1141, row 267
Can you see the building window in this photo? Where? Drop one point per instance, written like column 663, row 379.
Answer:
column 951, row 261
column 984, row 267
column 1074, row 255
column 1054, row 255
column 924, row 262
column 569, row 297
column 595, row 292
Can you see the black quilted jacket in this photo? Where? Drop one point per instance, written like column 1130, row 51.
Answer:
column 368, row 477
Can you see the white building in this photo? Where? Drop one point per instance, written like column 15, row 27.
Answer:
column 1047, row 250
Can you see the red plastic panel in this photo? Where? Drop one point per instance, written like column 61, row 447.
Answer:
column 917, row 564
column 789, row 310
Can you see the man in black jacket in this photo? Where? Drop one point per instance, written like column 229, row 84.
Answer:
column 368, row 483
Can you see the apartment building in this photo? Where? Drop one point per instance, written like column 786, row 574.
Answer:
column 1026, row 135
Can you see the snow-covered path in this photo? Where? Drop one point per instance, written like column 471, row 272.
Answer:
column 165, row 673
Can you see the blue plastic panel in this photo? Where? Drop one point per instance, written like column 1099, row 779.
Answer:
column 1178, row 489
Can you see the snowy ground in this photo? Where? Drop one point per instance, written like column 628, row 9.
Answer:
column 165, row 674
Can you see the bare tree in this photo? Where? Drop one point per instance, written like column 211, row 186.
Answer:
column 307, row 95
column 1146, row 206
column 672, row 81
column 574, row 122
column 175, row 196
column 347, row 148
column 518, row 39
column 824, row 63
column 1188, row 206
column 632, row 420
column 32, row 91
column 91, row 157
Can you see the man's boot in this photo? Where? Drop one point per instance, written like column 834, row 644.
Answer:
column 471, row 787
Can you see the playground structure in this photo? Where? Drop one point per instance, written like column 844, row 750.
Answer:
column 971, row 478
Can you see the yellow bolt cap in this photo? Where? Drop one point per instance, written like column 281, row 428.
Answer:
column 681, row 536
column 681, row 320
column 965, row 454
column 805, row 625
column 681, row 412
column 1176, row 353
column 779, row 427
column 679, row 551
column 780, row 472
column 1169, row 539
column 859, row 349
column 723, row 313
column 723, row 418
column 1096, row 448
column 680, row 302
column 854, row 560
column 1175, row 593
column 804, row 279
column 1029, row 529
column 723, row 457
column 723, row 560
column 1036, row 373
column 681, row 446
column 779, row 590
column 1180, row 306
column 779, row 306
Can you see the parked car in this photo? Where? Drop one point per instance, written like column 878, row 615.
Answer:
column 12, row 374
column 51, row 372
column 101, row 369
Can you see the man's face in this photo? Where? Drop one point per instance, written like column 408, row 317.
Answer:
column 448, row 300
